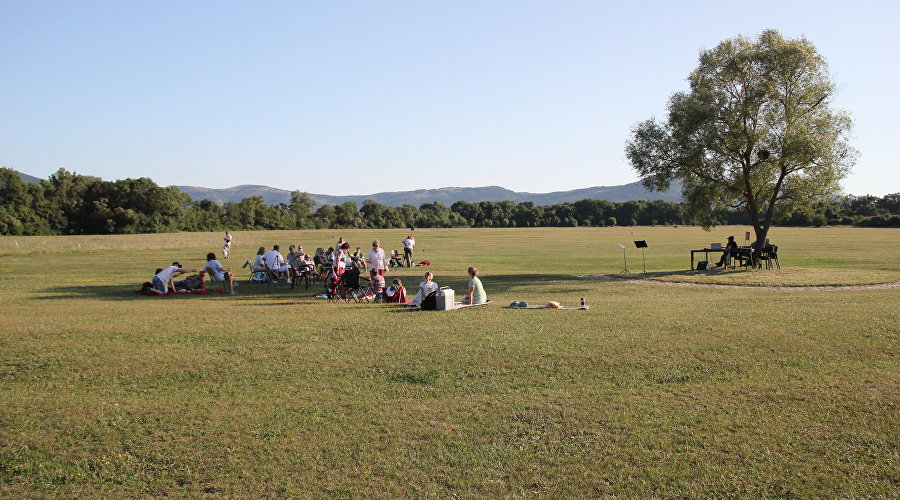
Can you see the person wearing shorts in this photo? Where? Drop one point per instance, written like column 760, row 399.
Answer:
column 162, row 281
column 226, row 249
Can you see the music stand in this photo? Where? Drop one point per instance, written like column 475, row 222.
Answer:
column 642, row 244
column 624, row 259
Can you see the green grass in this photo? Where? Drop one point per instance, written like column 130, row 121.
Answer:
column 656, row 391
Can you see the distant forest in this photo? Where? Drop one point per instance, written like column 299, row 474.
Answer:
column 68, row 203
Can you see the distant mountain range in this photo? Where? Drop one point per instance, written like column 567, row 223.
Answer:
column 28, row 179
column 447, row 196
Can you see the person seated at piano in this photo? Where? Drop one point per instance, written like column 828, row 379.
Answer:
column 730, row 249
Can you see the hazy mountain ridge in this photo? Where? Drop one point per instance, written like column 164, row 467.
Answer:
column 28, row 179
column 447, row 196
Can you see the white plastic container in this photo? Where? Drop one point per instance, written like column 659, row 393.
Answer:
column 445, row 298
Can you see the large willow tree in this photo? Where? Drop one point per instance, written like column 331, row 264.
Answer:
column 755, row 131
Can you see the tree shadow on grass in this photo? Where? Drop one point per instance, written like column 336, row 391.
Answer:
column 130, row 292
column 499, row 284
column 493, row 284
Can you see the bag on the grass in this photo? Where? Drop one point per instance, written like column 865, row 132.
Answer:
column 703, row 265
column 429, row 303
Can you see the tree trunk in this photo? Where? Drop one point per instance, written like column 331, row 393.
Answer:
column 761, row 234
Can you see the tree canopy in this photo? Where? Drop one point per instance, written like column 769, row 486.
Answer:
column 69, row 203
column 755, row 131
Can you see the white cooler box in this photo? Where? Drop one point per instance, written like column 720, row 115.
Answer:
column 445, row 298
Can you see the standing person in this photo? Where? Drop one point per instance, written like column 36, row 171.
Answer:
column 409, row 243
column 219, row 273
column 476, row 291
column 341, row 257
column 162, row 281
column 375, row 260
column 226, row 249
column 328, row 259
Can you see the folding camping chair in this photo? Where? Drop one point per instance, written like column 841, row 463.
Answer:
column 769, row 255
column 396, row 260
column 302, row 274
column 213, row 282
column 277, row 279
column 348, row 287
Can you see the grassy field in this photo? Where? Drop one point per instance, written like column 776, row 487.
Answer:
column 656, row 391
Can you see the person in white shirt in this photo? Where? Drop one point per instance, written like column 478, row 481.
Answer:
column 425, row 288
column 375, row 260
column 409, row 243
column 219, row 273
column 226, row 249
column 162, row 281
column 341, row 258
column 275, row 261
column 259, row 264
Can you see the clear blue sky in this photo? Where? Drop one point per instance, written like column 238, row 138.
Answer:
column 360, row 97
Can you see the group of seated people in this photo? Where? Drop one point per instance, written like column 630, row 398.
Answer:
column 330, row 264
column 272, row 261
column 163, row 279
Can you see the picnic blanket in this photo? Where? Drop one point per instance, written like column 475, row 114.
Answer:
column 551, row 305
column 456, row 305
column 144, row 290
column 460, row 305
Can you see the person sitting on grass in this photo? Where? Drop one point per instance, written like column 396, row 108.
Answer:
column 378, row 287
column 219, row 273
column 162, row 281
column 730, row 247
column 396, row 293
column 426, row 287
column 476, row 291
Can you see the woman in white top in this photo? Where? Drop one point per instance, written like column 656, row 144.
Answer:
column 375, row 260
column 425, row 288
column 259, row 263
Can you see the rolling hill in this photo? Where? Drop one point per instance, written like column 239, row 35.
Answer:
column 447, row 195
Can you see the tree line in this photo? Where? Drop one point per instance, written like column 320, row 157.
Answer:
column 68, row 203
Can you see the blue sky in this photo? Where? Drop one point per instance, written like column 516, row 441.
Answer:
column 362, row 97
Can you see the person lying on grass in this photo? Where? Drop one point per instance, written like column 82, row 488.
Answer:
column 162, row 281
column 476, row 291
column 192, row 282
